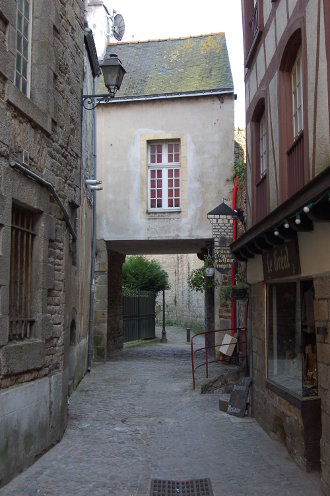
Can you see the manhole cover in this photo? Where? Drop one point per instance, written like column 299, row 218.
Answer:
column 195, row 487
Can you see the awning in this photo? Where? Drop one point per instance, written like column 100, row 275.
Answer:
column 297, row 214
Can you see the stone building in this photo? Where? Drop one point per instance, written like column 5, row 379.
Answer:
column 45, row 221
column 183, row 306
column 165, row 152
column 287, row 54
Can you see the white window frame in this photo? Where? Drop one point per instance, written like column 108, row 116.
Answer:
column 262, row 146
column 165, row 166
column 297, row 96
column 23, row 55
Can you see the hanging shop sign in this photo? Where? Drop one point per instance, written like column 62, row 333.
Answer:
column 223, row 259
column 282, row 261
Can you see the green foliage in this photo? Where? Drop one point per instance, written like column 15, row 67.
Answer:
column 239, row 171
column 140, row 274
column 240, row 290
column 198, row 281
column 137, row 292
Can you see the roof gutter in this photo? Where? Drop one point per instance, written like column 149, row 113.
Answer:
column 168, row 96
column 47, row 184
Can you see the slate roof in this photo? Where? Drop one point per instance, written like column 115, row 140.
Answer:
column 173, row 67
column 223, row 209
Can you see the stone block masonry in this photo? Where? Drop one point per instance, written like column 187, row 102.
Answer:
column 115, row 302
column 184, row 306
column 45, row 123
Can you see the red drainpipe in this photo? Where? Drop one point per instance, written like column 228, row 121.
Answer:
column 233, row 269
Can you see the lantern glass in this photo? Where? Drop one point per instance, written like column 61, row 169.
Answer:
column 113, row 72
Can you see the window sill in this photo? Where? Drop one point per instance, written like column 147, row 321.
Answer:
column 165, row 211
column 292, row 398
column 28, row 108
column 296, row 140
column 261, row 179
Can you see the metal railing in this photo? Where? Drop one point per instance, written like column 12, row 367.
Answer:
column 240, row 354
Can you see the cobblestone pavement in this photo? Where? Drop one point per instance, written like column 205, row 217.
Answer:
column 136, row 417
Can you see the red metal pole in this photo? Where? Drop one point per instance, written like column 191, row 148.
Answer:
column 233, row 269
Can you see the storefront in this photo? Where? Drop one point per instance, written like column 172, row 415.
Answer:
column 288, row 269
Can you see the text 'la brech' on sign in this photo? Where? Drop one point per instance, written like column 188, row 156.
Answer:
column 282, row 261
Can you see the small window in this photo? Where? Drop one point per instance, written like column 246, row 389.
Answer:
column 23, row 46
column 22, row 235
column 164, row 176
column 297, row 97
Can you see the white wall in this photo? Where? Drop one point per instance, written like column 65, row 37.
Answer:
column 205, row 126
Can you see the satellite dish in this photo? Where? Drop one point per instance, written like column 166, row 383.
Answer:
column 118, row 27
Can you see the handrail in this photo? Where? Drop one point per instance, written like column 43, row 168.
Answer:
column 238, row 331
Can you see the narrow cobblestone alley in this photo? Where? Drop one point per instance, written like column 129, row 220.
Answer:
column 136, row 417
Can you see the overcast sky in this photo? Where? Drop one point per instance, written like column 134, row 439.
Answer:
column 152, row 19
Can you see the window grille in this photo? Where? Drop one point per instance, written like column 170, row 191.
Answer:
column 20, row 274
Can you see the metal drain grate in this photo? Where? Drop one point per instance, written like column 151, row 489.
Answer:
column 195, row 487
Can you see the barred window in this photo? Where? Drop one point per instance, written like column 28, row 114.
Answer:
column 22, row 235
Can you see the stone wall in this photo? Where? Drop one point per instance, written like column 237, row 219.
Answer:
column 43, row 369
column 100, row 323
column 184, row 306
column 115, row 331
column 322, row 323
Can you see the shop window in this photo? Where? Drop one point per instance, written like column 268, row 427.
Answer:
column 22, row 235
column 291, row 356
column 164, row 176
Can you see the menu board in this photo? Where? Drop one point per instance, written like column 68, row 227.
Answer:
column 239, row 397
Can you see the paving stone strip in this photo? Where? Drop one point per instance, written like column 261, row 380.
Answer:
column 136, row 418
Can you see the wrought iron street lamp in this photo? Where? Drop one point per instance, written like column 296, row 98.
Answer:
column 113, row 74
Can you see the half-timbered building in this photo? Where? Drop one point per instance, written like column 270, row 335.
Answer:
column 286, row 245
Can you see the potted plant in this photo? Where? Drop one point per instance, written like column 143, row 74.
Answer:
column 203, row 279
column 239, row 290
column 208, row 266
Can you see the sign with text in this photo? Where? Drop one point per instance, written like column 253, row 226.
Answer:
column 223, row 259
column 239, row 397
column 282, row 261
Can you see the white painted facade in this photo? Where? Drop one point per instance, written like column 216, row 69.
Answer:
column 204, row 126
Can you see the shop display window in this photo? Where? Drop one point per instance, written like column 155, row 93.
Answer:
column 291, row 357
